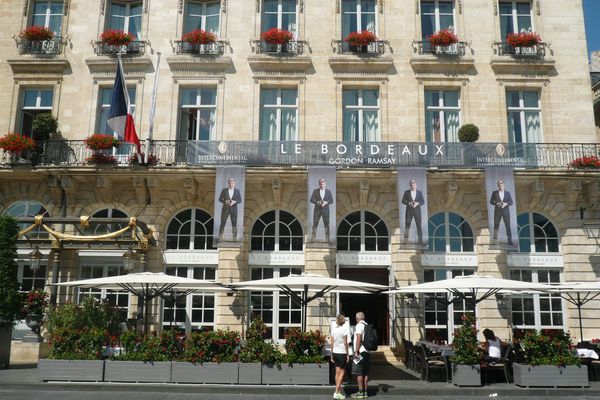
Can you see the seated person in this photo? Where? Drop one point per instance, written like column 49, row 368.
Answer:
column 492, row 346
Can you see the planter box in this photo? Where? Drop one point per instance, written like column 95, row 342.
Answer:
column 71, row 370
column 137, row 371
column 550, row 375
column 250, row 374
column 5, row 344
column 296, row 374
column 184, row 372
column 466, row 375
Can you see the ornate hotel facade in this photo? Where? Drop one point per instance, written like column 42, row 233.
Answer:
column 270, row 108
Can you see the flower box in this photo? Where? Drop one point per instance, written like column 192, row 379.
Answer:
column 16, row 143
column 276, row 36
column 363, row 38
column 585, row 162
column 101, row 142
column 295, row 374
column 115, row 37
column 187, row 372
column 101, row 159
column 71, row 370
column 466, row 375
column 36, row 33
column 152, row 160
column 443, row 38
column 550, row 375
column 137, row 371
column 250, row 373
column 523, row 39
column 198, row 36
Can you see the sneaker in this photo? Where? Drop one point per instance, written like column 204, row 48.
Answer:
column 339, row 395
column 358, row 395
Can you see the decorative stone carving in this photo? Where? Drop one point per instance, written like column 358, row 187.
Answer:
column 337, row 6
column 364, row 193
column 257, row 6
column 380, row 6
column 495, row 6
column 538, row 7
column 180, row 6
column 459, row 6
column 189, row 185
column 25, row 7
column 139, row 186
column 224, row 6
column 102, row 3
column 300, row 5
column 451, row 189
column 66, row 5
column 146, row 6
column 592, row 194
column 276, row 186
column 417, row 6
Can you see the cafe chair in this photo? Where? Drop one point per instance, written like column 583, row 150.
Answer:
column 431, row 362
column 504, row 364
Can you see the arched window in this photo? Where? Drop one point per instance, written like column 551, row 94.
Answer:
column 536, row 234
column 449, row 232
column 100, row 228
column 362, row 231
column 277, row 230
column 29, row 208
column 191, row 229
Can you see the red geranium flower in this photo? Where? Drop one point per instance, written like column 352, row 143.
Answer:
column 443, row 37
column 363, row 38
column 198, row 36
column 523, row 39
column 16, row 143
column 277, row 36
column 36, row 33
column 114, row 37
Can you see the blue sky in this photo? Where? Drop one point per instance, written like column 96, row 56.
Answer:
column 592, row 23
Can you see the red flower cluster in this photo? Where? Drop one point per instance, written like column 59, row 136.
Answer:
column 443, row 37
column 36, row 301
column 36, row 33
column 101, row 158
column 198, row 36
column 99, row 141
column 16, row 143
column 277, row 36
column 114, row 37
column 595, row 340
column 585, row 162
column 363, row 38
column 523, row 39
column 152, row 159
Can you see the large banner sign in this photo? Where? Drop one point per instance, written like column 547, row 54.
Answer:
column 502, row 207
column 229, row 210
column 321, row 204
column 360, row 154
column 412, row 195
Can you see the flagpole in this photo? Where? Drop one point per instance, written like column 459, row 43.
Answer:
column 152, row 109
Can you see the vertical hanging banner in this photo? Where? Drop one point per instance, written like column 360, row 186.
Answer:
column 321, row 204
column 412, row 194
column 502, row 207
column 229, row 210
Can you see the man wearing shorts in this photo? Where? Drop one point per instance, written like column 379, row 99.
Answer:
column 361, row 362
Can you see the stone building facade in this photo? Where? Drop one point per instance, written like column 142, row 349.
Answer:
column 318, row 88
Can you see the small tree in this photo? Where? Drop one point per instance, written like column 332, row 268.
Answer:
column 44, row 126
column 465, row 345
column 468, row 133
column 10, row 298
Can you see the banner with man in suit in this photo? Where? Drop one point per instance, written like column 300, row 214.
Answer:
column 412, row 196
column 502, row 207
column 229, row 210
column 321, row 204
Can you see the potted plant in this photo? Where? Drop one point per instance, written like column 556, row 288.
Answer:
column 277, row 36
column 15, row 143
column 443, row 38
column 101, row 159
column 36, row 33
column 466, row 362
column 585, row 162
column 523, row 39
column 152, row 159
column 468, row 133
column 10, row 300
column 198, row 36
column 98, row 142
column 255, row 351
column 35, row 305
column 44, row 126
column 115, row 37
column 360, row 40
column 549, row 361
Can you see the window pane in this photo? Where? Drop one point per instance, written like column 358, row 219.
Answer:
column 46, row 98
column 530, row 99
column 188, row 97
column 270, row 5
column 512, row 99
column 450, row 98
column 427, row 25
column 30, row 98
column 445, row 7
column 370, row 97
column 288, row 5
column 288, row 96
column 446, row 21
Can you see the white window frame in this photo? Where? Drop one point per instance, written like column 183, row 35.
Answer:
column 280, row 14
column 105, row 107
column 447, row 236
column 362, row 224
column 361, row 108
column 39, row 232
column 105, row 265
column 276, row 238
column 279, row 107
column 192, row 235
column 204, row 14
column 42, row 272
column 199, row 107
column 441, row 109
column 48, row 13
column 437, row 15
column 515, row 15
column 359, row 15
column 127, row 16
column 521, row 109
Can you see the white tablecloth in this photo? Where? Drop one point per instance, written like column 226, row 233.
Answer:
column 587, row 353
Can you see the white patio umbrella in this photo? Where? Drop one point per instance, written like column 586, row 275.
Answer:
column 318, row 285
column 147, row 286
column 578, row 294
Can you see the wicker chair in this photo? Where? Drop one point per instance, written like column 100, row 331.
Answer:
column 430, row 362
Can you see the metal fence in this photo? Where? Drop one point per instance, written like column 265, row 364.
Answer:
column 537, row 51
column 48, row 48
column 291, row 48
column 425, row 47
column 208, row 49
column 375, row 48
column 136, row 48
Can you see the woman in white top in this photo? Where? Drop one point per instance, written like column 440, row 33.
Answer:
column 339, row 353
column 493, row 346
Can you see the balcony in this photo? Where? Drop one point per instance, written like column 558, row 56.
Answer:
column 41, row 48
column 504, row 49
column 136, row 48
column 534, row 60
column 373, row 49
column 424, row 47
column 454, row 59
column 289, row 49
column 209, row 49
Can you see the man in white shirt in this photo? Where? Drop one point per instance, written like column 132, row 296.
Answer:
column 361, row 362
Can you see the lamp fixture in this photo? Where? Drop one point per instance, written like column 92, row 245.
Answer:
column 129, row 260
column 34, row 259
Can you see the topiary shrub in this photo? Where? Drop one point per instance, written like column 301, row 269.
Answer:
column 44, row 126
column 468, row 133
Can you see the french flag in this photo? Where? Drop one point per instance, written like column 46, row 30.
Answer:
column 119, row 115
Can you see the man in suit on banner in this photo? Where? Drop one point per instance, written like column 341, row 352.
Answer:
column 413, row 200
column 322, row 199
column 230, row 197
column 501, row 200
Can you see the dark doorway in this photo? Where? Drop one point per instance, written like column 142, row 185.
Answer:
column 375, row 306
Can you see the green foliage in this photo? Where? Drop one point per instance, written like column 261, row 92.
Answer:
column 465, row 345
column 149, row 348
column 468, row 133
column 257, row 349
column 304, row 347
column 217, row 346
column 10, row 298
column 44, row 126
column 78, row 344
column 540, row 349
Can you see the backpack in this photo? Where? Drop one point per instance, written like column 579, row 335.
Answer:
column 370, row 338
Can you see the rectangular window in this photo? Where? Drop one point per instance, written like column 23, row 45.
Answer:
column 515, row 17
column 35, row 101
column 524, row 116
column 277, row 310
column 442, row 115
column 435, row 16
column 120, row 299
column 197, row 111
column 194, row 311
column 278, row 114
column 30, row 280
column 358, row 16
column 202, row 15
column 537, row 311
column 126, row 16
column 361, row 115
column 104, row 107
column 279, row 14
column 48, row 13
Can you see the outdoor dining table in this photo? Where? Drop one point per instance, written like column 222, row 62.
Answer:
column 445, row 350
column 587, row 353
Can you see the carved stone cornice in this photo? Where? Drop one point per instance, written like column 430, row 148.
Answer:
column 354, row 65
column 517, row 66
column 188, row 66
column 266, row 65
column 36, row 68
column 101, row 67
column 429, row 63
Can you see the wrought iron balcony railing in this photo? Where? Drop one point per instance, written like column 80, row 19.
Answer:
column 65, row 153
column 375, row 48
column 291, row 48
column 136, row 48
column 425, row 47
column 47, row 48
column 505, row 49
column 208, row 49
